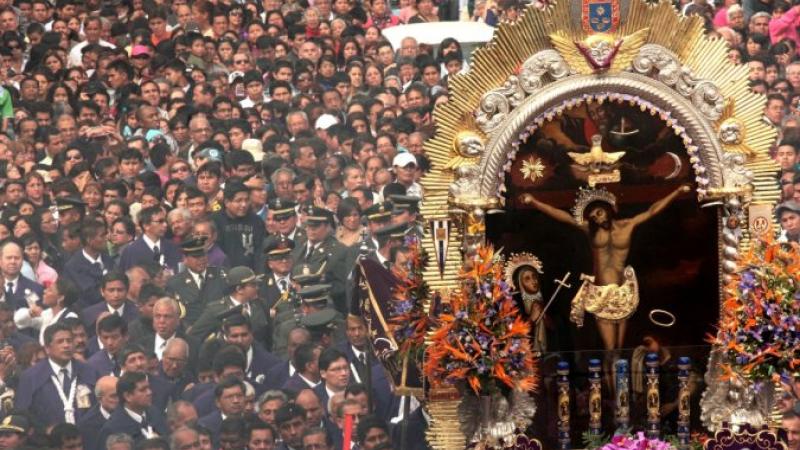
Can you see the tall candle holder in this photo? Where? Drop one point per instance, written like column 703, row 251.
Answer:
column 653, row 399
column 622, row 383
column 562, row 370
column 684, row 364
column 595, row 398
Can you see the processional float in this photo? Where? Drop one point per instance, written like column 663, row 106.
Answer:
column 448, row 327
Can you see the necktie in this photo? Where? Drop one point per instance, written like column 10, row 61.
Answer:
column 200, row 281
column 9, row 290
column 388, row 265
column 246, row 310
column 145, row 424
column 65, row 382
column 157, row 254
column 115, row 365
column 310, row 251
column 282, row 285
column 362, row 358
column 98, row 265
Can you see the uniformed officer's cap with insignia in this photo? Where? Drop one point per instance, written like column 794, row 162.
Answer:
column 194, row 246
column 318, row 216
column 242, row 275
column 16, row 423
column 397, row 230
column 319, row 321
column 233, row 317
column 379, row 211
column 278, row 247
column 305, row 276
column 316, row 295
column 69, row 202
column 282, row 209
column 404, row 203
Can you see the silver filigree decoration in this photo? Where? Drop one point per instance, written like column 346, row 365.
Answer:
column 466, row 188
column 496, row 104
column 734, row 401
column 502, row 415
column 736, row 174
column 731, row 133
column 470, row 145
column 661, row 64
column 733, row 219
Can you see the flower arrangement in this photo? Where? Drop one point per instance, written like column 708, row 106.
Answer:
column 481, row 337
column 409, row 322
column 637, row 442
column 760, row 326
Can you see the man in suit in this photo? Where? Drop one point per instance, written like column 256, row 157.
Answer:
column 86, row 267
column 243, row 293
column 114, row 289
column 150, row 247
column 335, row 373
column 58, row 388
column 291, row 421
column 174, row 366
column 133, row 358
column 306, row 360
column 135, row 415
column 322, row 249
column 278, row 375
column 236, row 329
column 90, row 424
column 112, row 331
column 167, row 325
column 16, row 287
column 199, row 283
column 229, row 399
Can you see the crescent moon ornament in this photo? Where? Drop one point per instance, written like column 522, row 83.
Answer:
column 678, row 166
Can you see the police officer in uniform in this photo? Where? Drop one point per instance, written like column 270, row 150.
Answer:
column 277, row 287
column 406, row 211
column 291, row 308
column 323, row 249
column 243, row 286
column 285, row 215
column 314, row 299
column 198, row 283
column 378, row 216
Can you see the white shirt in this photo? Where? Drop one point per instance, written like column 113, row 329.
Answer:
column 57, row 369
column 286, row 280
column 236, row 303
column 95, row 261
column 310, row 383
column 161, row 345
column 197, row 277
column 150, row 243
column 23, row 319
column 105, row 413
column 148, row 432
column 120, row 311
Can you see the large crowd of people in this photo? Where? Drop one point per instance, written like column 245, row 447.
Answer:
column 186, row 187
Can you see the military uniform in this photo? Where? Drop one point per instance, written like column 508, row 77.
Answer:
column 315, row 299
column 184, row 286
column 406, row 211
column 255, row 309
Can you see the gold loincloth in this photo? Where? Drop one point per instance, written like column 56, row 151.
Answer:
column 610, row 302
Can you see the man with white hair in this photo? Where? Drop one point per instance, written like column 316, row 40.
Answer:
column 107, row 401
column 174, row 364
column 166, row 326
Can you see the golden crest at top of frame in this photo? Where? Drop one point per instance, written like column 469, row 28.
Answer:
column 554, row 27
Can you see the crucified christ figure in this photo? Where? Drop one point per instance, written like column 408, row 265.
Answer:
column 611, row 293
